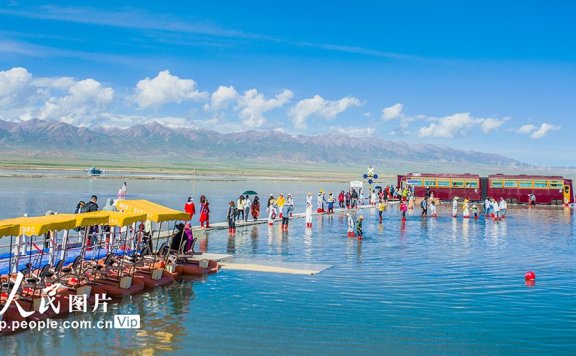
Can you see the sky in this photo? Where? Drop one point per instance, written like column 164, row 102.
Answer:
column 491, row 76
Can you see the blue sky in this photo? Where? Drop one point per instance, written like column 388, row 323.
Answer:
column 494, row 76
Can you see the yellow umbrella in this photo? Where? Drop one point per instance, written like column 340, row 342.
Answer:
column 124, row 218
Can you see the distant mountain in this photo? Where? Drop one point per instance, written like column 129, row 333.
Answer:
column 155, row 141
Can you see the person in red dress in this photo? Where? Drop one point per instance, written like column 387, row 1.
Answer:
column 190, row 208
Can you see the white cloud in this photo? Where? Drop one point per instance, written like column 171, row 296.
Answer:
column 458, row 125
column 392, row 112
column 165, row 88
column 13, row 82
column 526, row 129
column 490, row 124
column 320, row 107
column 221, row 98
column 85, row 98
column 353, row 131
column 536, row 132
column 543, row 130
column 253, row 105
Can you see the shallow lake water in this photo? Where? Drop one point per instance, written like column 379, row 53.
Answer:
column 426, row 286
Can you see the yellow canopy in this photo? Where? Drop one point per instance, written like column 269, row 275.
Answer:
column 89, row 219
column 9, row 229
column 39, row 225
column 153, row 211
column 125, row 218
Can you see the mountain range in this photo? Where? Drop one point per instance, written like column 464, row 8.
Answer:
column 157, row 142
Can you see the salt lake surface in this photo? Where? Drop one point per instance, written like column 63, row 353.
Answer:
column 427, row 286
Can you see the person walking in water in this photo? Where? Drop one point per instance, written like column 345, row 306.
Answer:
column 433, row 208
column 190, row 208
column 381, row 207
column 309, row 214
column 503, row 206
column 424, row 206
column 359, row 227
column 123, row 191
column 403, row 208
column 351, row 225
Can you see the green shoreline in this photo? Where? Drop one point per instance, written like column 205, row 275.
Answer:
column 248, row 169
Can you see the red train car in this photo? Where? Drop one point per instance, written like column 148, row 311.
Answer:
column 444, row 186
column 513, row 188
column 517, row 188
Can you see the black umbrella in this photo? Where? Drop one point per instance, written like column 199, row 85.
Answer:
column 249, row 192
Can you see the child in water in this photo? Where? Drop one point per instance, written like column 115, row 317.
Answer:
column 433, row 208
column 381, row 207
column 475, row 211
column 403, row 209
column 359, row 227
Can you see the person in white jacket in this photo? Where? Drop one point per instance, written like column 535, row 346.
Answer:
column 351, row 225
column 455, row 207
column 496, row 209
column 503, row 206
column 272, row 212
column 309, row 215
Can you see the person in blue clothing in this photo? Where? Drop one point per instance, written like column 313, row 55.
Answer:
column 285, row 210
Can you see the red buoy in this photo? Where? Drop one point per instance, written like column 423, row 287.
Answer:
column 530, row 276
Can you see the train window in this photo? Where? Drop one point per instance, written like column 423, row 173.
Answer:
column 415, row 182
column 430, row 182
column 444, row 183
column 567, row 189
column 556, row 184
column 540, row 184
column 525, row 184
column 496, row 184
column 457, row 184
column 511, row 184
column 471, row 184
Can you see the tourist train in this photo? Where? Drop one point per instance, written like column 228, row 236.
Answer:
column 551, row 190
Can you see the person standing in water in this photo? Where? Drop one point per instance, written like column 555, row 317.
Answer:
column 455, row 207
column 403, row 208
column 309, row 214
